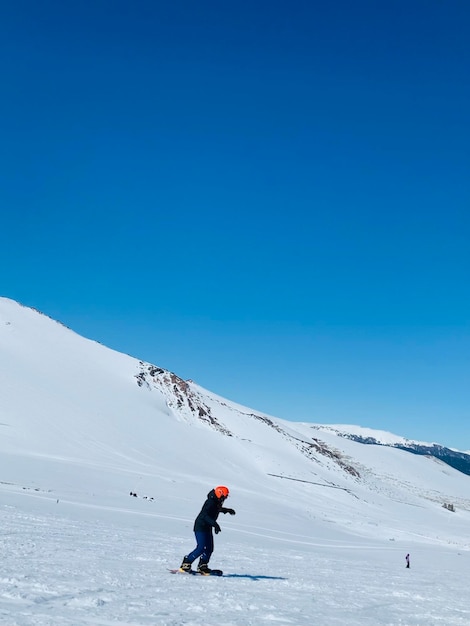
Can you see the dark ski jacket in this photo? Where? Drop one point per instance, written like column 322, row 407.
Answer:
column 207, row 518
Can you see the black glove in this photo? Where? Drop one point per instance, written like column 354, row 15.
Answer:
column 216, row 528
column 231, row 511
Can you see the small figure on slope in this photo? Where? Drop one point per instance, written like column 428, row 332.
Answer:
column 203, row 525
column 407, row 559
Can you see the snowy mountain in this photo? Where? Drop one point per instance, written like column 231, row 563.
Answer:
column 94, row 442
column 455, row 458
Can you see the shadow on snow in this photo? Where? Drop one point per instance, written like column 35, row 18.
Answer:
column 254, row 577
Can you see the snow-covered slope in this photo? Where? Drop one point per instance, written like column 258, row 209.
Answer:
column 380, row 436
column 455, row 458
column 83, row 427
column 79, row 418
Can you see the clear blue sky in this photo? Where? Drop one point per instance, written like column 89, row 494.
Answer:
column 270, row 198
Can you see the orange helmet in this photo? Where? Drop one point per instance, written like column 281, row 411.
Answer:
column 221, row 492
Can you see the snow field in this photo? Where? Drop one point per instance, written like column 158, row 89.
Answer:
column 73, row 571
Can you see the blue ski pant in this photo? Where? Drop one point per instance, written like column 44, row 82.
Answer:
column 204, row 547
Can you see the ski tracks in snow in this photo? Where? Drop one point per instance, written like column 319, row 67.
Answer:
column 66, row 571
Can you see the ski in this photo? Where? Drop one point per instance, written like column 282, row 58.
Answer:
column 214, row 572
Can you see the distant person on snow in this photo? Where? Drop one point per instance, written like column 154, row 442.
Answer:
column 203, row 525
column 407, row 559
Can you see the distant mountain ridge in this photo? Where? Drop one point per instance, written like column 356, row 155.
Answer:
column 456, row 459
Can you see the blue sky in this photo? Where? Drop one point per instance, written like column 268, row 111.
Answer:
column 270, row 198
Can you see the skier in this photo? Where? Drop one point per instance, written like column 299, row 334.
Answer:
column 407, row 558
column 203, row 525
